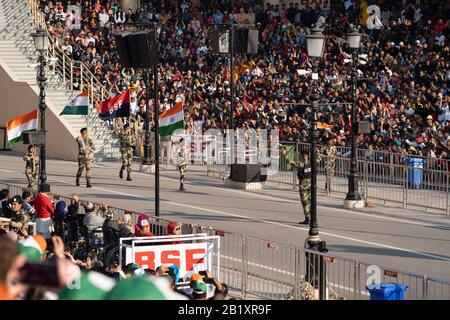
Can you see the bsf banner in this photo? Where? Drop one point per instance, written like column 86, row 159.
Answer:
column 190, row 257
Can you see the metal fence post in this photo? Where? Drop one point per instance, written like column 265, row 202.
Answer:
column 244, row 268
column 405, row 186
column 425, row 288
column 356, row 278
column 71, row 74
column 366, row 179
column 294, row 176
column 64, row 67
column 297, row 274
column 446, row 195
column 81, row 76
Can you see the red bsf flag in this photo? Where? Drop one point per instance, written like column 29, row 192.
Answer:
column 116, row 107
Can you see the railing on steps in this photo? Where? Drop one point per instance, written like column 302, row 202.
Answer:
column 75, row 74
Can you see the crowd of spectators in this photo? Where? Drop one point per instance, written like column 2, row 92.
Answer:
column 50, row 264
column 405, row 97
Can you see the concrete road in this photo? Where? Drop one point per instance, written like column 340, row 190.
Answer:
column 401, row 243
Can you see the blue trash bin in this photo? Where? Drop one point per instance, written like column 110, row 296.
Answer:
column 387, row 291
column 415, row 172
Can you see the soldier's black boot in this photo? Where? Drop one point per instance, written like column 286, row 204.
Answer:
column 121, row 173
column 78, row 181
column 129, row 178
column 306, row 221
column 88, row 183
column 182, row 187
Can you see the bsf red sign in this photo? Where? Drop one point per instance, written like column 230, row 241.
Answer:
column 189, row 257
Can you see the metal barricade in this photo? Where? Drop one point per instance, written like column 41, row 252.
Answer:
column 259, row 268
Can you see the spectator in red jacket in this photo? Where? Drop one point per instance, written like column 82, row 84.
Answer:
column 44, row 212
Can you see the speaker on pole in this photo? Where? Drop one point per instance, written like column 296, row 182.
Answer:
column 143, row 51
column 240, row 40
column 137, row 50
column 123, row 50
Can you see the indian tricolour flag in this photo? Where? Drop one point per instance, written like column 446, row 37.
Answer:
column 171, row 120
column 78, row 106
column 18, row 125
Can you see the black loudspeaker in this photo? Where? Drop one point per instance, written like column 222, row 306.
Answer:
column 36, row 138
column 363, row 127
column 123, row 50
column 240, row 40
column 143, row 51
column 247, row 173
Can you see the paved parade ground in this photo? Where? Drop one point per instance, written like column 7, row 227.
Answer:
column 412, row 241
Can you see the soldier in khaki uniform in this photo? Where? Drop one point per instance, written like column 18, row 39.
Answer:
column 329, row 152
column 127, row 145
column 303, row 167
column 85, row 155
column 182, row 163
column 19, row 218
column 32, row 166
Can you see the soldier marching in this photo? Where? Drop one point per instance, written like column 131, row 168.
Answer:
column 127, row 145
column 182, row 162
column 31, row 166
column 85, row 155
column 329, row 153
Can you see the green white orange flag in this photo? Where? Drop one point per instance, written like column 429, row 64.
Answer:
column 171, row 120
column 77, row 106
column 15, row 127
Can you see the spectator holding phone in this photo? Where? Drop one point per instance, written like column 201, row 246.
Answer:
column 44, row 212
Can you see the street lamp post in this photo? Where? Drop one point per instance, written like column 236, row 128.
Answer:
column 156, row 103
column 353, row 195
column 315, row 272
column 41, row 43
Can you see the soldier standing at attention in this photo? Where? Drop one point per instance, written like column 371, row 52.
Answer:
column 127, row 144
column 85, row 154
column 32, row 166
column 182, row 163
column 329, row 153
column 303, row 167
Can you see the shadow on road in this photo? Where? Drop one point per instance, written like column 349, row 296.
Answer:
column 384, row 252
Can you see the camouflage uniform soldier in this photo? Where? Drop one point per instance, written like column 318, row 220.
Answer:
column 182, row 163
column 304, row 183
column 85, row 154
column 32, row 166
column 127, row 144
column 19, row 218
column 329, row 153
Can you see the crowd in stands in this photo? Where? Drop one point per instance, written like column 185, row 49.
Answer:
column 405, row 95
column 52, row 261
